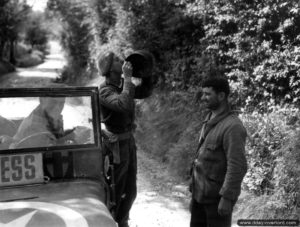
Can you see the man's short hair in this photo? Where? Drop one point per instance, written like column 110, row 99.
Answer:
column 218, row 84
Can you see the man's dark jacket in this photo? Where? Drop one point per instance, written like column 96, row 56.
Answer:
column 117, row 113
column 220, row 165
column 117, row 104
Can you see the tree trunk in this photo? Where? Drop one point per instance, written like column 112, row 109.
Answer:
column 1, row 49
column 12, row 58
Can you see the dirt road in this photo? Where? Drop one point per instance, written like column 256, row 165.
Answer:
column 161, row 202
column 39, row 76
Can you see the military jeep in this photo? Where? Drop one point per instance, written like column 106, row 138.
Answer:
column 53, row 171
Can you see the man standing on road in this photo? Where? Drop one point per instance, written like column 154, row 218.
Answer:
column 220, row 163
column 117, row 96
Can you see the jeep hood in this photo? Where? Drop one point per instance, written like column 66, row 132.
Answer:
column 55, row 204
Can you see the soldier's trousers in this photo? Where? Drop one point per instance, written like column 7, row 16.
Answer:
column 125, row 180
column 206, row 215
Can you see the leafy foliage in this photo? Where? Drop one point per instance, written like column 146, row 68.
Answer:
column 255, row 44
column 76, row 37
column 35, row 33
column 168, row 128
column 17, row 24
column 274, row 173
column 12, row 16
column 267, row 134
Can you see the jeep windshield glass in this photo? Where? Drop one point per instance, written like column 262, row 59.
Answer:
column 30, row 122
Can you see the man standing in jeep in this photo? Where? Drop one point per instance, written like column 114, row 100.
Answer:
column 117, row 105
column 220, row 163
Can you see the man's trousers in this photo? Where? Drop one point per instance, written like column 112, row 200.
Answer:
column 125, row 180
column 206, row 215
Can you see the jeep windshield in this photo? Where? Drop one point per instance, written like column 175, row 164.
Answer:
column 55, row 120
column 50, row 157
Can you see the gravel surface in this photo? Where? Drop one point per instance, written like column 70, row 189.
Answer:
column 161, row 201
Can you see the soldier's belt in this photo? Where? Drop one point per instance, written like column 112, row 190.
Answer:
column 112, row 142
column 124, row 136
column 113, row 137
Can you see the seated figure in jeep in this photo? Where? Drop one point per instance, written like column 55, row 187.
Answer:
column 43, row 126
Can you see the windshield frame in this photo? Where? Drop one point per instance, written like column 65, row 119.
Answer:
column 59, row 92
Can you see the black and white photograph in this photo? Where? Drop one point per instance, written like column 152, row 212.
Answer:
column 149, row 113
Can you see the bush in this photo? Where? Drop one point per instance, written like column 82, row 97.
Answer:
column 32, row 59
column 45, row 48
column 22, row 49
column 168, row 128
column 36, row 35
column 287, row 176
column 284, row 201
column 6, row 67
column 267, row 133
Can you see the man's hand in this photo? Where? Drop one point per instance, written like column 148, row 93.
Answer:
column 225, row 207
column 136, row 81
column 127, row 70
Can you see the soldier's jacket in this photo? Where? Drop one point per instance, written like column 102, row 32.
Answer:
column 118, row 107
column 117, row 104
column 220, row 165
